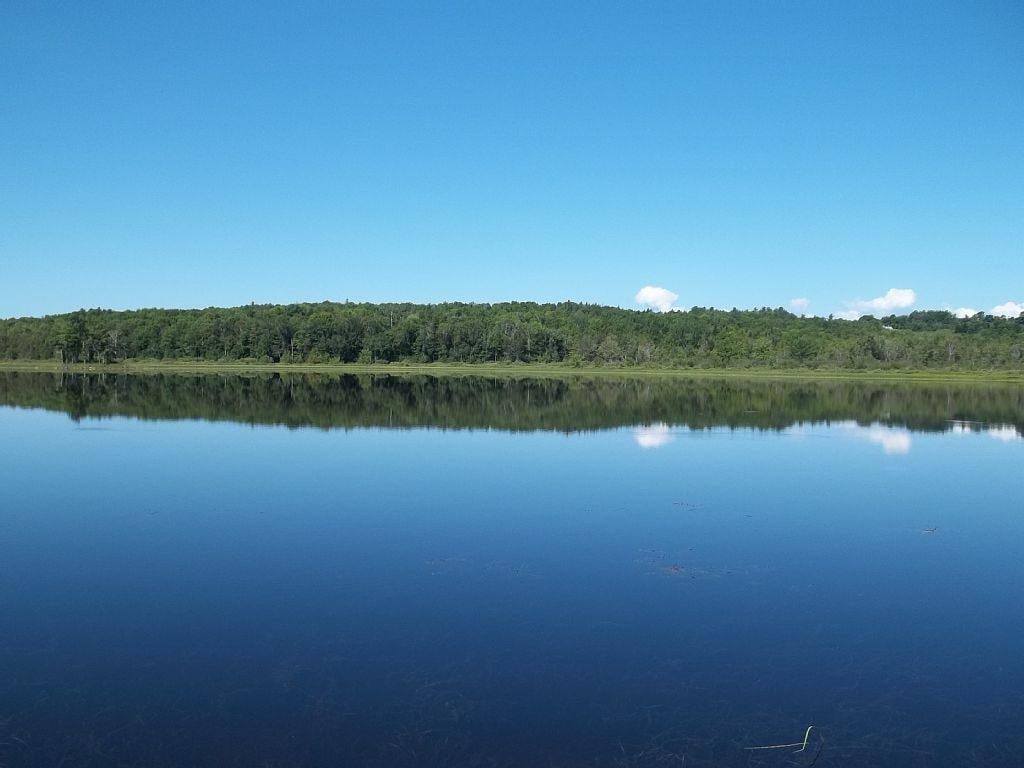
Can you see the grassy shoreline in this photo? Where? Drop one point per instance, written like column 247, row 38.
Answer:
column 515, row 370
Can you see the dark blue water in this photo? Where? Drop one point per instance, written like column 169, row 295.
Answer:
column 194, row 593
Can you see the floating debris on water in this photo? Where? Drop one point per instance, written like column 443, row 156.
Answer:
column 442, row 565
column 687, row 505
column 658, row 563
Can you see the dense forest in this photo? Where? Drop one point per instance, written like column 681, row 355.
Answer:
column 568, row 404
column 571, row 333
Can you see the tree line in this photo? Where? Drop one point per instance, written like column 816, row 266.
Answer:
column 518, row 332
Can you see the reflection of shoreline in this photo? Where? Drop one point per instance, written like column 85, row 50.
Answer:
column 519, row 404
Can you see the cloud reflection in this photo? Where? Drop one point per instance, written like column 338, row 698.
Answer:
column 894, row 441
column 653, row 436
column 1004, row 433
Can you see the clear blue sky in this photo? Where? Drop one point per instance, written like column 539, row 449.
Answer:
column 195, row 154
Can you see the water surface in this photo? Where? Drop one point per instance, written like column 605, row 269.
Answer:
column 387, row 571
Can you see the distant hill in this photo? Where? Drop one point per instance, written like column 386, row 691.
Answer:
column 567, row 333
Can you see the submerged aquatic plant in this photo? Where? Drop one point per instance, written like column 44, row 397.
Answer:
column 802, row 745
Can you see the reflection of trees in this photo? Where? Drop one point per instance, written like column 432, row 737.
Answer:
column 510, row 403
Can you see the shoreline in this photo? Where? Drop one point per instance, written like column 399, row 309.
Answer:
column 534, row 370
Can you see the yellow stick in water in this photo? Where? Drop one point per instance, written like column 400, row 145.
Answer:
column 802, row 745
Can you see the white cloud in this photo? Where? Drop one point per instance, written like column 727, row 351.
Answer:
column 660, row 299
column 964, row 312
column 654, row 436
column 800, row 305
column 1009, row 309
column 895, row 298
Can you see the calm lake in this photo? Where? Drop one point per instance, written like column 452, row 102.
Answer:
column 419, row 571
